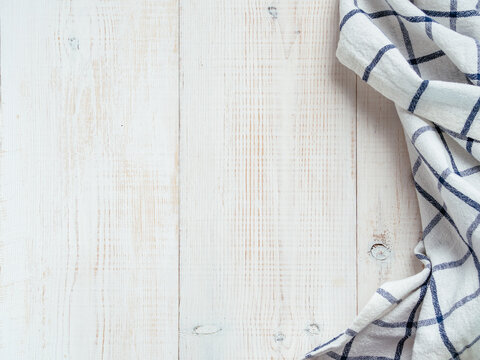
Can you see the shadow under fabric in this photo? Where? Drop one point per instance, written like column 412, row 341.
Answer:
column 425, row 57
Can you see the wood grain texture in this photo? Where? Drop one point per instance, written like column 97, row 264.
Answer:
column 388, row 217
column 178, row 180
column 89, row 193
column 267, row 178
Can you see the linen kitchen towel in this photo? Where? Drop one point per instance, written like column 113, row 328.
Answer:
column 425, row 57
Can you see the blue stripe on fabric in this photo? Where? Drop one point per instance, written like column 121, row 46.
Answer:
column 471, row 117
column 457, row 193
column 413, row 19
column 350, row 332
column 383, row 13
column 462, row 302
column 394, row 325
column 445, row 173
column 336, row 356
column 420, row 131
column 469, row 145
column 375, row 60
column 468, row 346
column 456, row 14
column 436, row 219
column 428, row 29
column 380, row 14
column 423, row 258
column 473, row 76
column 453, row 19
column 442, row 209
column 418, row 94
column 410, row 322
column 470, row 171
column 445, row 145
column 467, row 200
column 416, row 166
column 407, row 42
column 440, row 318
column 478, row 59
column 473, row 226
column 452, row 264
column 308, row 356
column 389, row 297
column 431, row 321
column 346, row 349
column 348, row 16
column 456, row 135
column 425, row 58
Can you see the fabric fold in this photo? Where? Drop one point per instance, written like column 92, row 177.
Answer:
column 425, row 57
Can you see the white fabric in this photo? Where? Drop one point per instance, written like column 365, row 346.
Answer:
column 424, row 56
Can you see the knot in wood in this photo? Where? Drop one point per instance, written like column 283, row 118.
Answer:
column 313, row 329
column 206, row 329
column 380, row 251
column 279, row 337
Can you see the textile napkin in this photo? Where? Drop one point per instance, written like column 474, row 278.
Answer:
column 425, row 57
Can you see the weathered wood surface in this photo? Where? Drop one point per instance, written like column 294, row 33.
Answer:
column 267, row 178
column 89, row 180
column 191, row 179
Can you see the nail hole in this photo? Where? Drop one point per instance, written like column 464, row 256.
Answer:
column 313, row 329
column 279, row 337
column 380, row 251
column 273, row 11
column 206, row 329
column 74, row 43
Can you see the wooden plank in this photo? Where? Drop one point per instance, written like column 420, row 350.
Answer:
column 89, row 195
column 388, row 216
column 267, row 178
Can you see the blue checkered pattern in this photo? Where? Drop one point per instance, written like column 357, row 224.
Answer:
column 425, row 57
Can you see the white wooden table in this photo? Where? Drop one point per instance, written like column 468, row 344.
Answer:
column 193, row 179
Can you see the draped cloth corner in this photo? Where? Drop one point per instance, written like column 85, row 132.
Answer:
column 424, row 55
